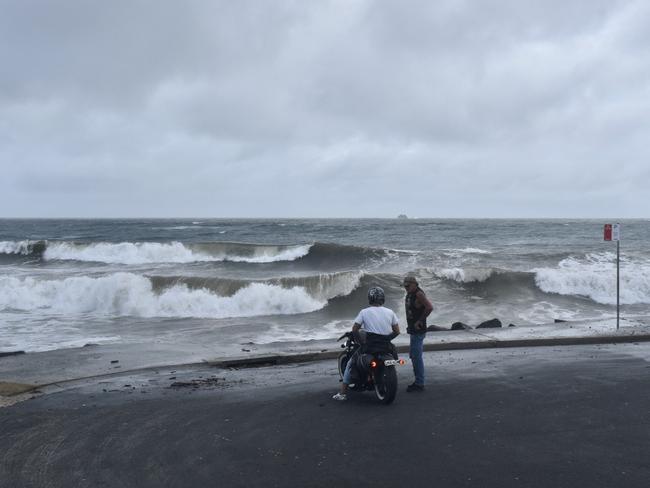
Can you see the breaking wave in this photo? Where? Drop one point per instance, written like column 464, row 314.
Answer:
column 595, row 277
column 128, row 294
column 172, row 252
column 23, row 248
column 136, row 253
column 465, row 275
column 322, row 286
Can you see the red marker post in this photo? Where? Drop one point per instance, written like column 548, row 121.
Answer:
column 613, row 233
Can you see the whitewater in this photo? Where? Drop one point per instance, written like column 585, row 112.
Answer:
column 65, row 283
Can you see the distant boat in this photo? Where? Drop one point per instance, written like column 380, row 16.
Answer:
column 402, row 216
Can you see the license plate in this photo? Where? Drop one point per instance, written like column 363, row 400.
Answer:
column 393, row 362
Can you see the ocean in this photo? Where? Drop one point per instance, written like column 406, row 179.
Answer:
column 233, row 282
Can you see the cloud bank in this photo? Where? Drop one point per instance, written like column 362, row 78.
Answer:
column 324, row 109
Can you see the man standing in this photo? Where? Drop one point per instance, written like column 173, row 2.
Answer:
column 418, row 308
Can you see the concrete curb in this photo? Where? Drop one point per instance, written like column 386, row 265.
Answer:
column 279, row 359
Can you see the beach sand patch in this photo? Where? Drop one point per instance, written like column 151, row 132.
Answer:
column 11, row 389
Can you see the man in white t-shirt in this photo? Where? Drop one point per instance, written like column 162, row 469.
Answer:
column 375, row 319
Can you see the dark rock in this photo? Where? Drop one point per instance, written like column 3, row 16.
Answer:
column 11, row 353
column 114, row 361
column 489, row 324
column 246, row 350
column 512, row 325
column 435, row 328
column 460, row 326
column 559, row 321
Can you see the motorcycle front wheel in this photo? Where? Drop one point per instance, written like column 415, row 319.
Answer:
column 386, row 384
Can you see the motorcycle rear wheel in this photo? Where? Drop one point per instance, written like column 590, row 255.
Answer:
column 386, row 384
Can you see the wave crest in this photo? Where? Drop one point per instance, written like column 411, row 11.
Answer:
column 465, row 275
column 128, row 294
column 172, row 252
column 595, row 277
column 24, row 248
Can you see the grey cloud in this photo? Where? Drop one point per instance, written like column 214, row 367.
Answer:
column 242, row 108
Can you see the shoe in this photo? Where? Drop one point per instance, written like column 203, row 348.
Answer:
column 414, row 387
column 340, row 397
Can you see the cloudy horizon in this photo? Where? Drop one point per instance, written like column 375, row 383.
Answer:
column 343, row 108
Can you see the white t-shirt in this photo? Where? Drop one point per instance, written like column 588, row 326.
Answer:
column 378, row 320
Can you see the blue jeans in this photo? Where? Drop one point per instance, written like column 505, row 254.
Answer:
column 415, row 353
column 347, row 374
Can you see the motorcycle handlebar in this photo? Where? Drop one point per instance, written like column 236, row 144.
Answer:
column 347, row 334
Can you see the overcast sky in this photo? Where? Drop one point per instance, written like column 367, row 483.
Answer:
column 347, row 108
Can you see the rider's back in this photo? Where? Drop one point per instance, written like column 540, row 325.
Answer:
column 377, row 320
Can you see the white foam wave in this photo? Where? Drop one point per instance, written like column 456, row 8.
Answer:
column 464, row 275
column 127, row 294
column 595, row 277
column 124, row 252
column 474, row 250
column 156, row 252
column 43, row 340
column 467, row 250
column 16, row 247
column 270, row 255
column 330, row 331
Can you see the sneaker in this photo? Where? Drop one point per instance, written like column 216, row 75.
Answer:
column 340, row 397
column 414, row 387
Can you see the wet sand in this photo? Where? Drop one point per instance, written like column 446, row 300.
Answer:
column 536, row 417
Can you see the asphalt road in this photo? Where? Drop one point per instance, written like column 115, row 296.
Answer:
column 557, row 417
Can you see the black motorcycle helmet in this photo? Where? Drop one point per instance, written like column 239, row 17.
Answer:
column 376, row 296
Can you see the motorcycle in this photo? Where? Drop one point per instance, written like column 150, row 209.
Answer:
column 374, row 368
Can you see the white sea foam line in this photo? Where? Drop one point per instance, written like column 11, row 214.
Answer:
column 331, row 330
column 467, row 250
column 45, row 341
column 404, row 251
column 127, row 294
column 545, row 312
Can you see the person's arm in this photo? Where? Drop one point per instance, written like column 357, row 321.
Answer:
column 355, row 332
column 428, row 308
column 396, row 331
